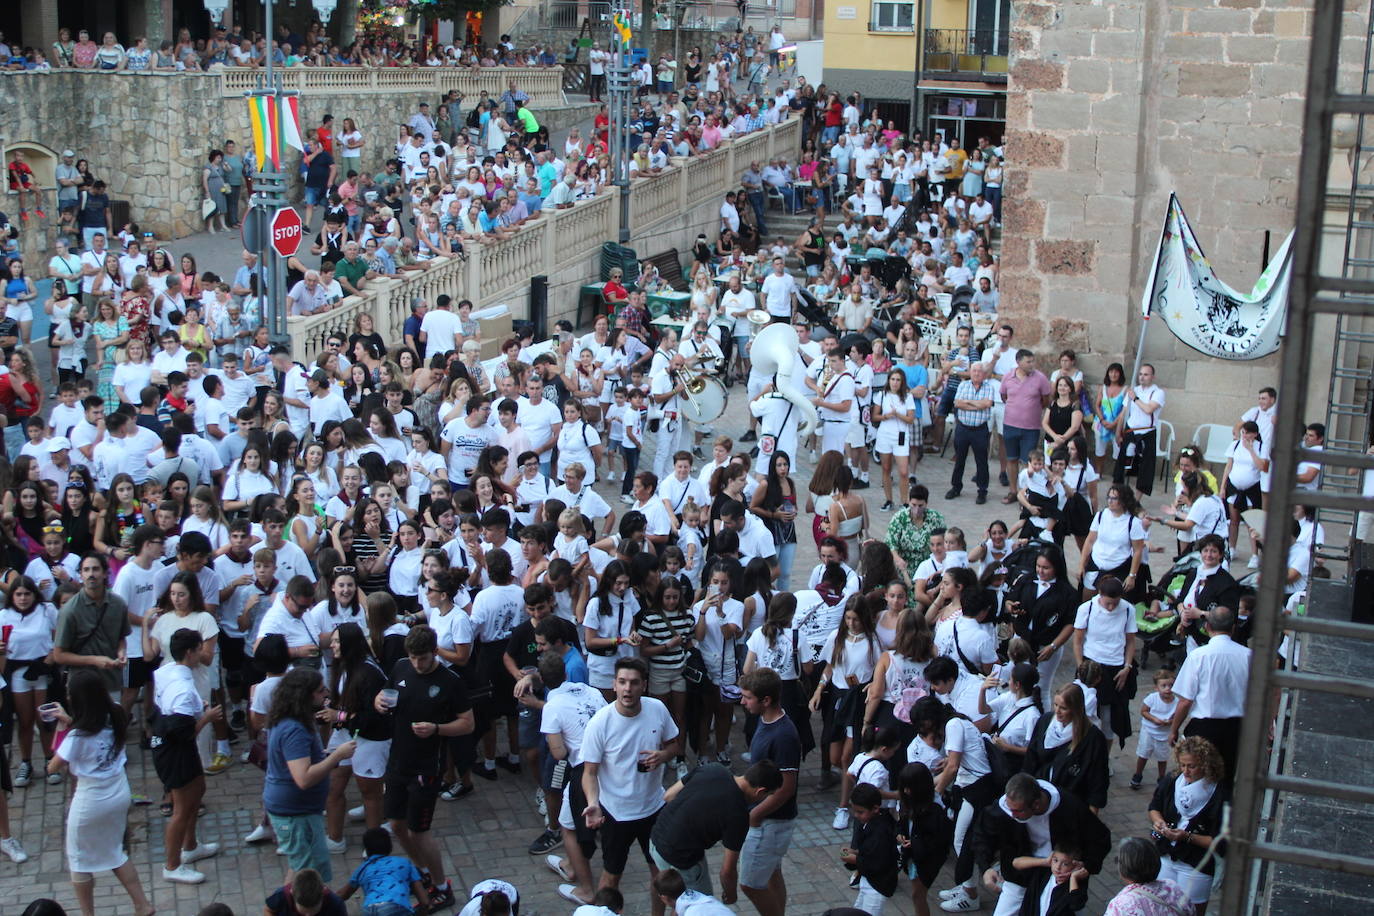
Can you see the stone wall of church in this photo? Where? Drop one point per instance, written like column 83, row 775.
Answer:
column 1112, row 104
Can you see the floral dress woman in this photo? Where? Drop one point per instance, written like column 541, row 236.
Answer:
column 112, row 331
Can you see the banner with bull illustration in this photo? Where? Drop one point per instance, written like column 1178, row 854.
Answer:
column 1204, row 312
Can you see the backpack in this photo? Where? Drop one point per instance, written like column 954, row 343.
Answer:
column 1003, row 764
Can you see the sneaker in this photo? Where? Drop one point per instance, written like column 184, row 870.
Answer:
column 183, row 874
column 261, row 834
column 218, row 764
column 854, row 880
column 1002, row 479
column 243, row 758
column 336, row 847
column 55, row 779
column 1136, row 781
column 540, row 803
column 484, row 771
column 10, row 847
column 24, row 775
column 747, row 757
column 555, row 864
column 610, row 476
column 203, row 851
column 961, row 903
column 724, row 755
column 981, row 498
column 456, row 791
column 40, row 213
column 749, row 436
column 680, row 764
column 627, row 499
column 510, row 766
column 139, row 799
column 951, row 893
column 886, row 507
column 441, row 898
column 952, row 493
column 548, row 841
column 569, row 893
column 1253, row 562
column 841, row 821
column 1047, row 536
column 357, row 814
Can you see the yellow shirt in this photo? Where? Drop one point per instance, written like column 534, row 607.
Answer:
column 957, row 158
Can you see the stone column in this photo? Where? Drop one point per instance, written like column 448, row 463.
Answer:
column 40, row 24
column 347, row 17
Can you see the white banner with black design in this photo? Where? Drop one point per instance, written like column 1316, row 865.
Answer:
column 1204, row 312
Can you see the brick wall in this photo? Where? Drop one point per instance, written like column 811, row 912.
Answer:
column 1111, row 105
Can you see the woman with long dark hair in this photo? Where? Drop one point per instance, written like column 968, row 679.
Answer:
column 1042, row 605
column 1068, row 750
column 899, row 676
column 31, row 623
column 92, row 747
column 776, row 503
column 295, row 789
column 851, row 654
column 924, row 833
column 719, row 624
column 354, row 679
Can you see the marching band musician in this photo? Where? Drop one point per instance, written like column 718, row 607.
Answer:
column 833, row 403
column 701, row 354
column 666, row 390
column 778, row 423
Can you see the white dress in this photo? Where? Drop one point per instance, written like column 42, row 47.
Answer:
column 100, row 806
column 873, row 197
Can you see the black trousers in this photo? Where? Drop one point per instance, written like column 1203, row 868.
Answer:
column 1225, row 737
column 976, row 438
column 1142, row 464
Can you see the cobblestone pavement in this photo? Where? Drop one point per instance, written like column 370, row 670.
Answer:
column 486, row 834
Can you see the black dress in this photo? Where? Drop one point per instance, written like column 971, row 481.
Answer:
column 1061, row 418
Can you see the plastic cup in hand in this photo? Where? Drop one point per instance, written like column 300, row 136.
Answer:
column 5, row 632
column 389, row 697
column 48, row 711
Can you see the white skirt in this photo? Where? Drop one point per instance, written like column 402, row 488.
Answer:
column 95, row 824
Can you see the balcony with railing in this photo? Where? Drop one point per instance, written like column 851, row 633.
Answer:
column 966, row 54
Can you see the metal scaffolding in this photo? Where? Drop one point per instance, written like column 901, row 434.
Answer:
column 1280, row 778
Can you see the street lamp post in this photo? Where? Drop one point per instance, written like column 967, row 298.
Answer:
column 619, row 84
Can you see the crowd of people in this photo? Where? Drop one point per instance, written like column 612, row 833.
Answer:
column 356, row 569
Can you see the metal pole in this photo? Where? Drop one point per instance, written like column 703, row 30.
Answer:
column 618, row 84
column 1147, row 305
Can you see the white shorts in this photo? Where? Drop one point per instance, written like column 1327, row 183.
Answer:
column 887, row 443
column 999, row 413
column 1148, row 747
column 19, row 311
column 755, row 385
column 856, row 434
column 369, row 760
column 20, row 682
column 600, row 681
column 565, row 818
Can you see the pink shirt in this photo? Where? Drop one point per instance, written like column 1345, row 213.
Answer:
column 710, row 137
column 1023, row 397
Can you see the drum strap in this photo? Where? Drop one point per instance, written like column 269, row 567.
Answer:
column 835, row 382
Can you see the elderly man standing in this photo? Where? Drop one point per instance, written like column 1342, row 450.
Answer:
column 1211, row 688
column 308, row 297
column 973, row 401
column 752, row 182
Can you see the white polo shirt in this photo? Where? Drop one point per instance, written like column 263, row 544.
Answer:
column 1105, row 630
column 1214, row 677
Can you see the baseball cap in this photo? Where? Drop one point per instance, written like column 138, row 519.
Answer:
column 58, row 444
column 67, row 152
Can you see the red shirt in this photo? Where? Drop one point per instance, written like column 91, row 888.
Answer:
column 602, row 124
column 614, row 292
column 326, row 137
column 834, row 114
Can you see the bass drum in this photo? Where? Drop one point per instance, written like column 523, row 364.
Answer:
column 708, row 405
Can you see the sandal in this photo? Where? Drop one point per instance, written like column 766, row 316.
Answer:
column 165, row 808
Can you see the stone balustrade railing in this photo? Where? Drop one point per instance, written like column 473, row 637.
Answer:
column 499, row 271
column 543, row 84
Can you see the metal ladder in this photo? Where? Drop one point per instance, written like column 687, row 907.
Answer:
column 1267, row 786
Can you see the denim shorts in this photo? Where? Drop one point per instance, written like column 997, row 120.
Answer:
column 1020, row 442
column 316, row 196
column 301, row 839
column 763, row 851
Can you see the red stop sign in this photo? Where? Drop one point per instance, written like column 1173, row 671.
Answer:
column 287, row 230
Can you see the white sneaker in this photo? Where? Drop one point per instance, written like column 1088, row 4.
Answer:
column 951, row 893
column 1047, row 536
column 357, row 814
column 183, row 874
column 682, row 768
column 10, row 847
column 1253, row 562
column 336, row 847
column 261, row 834
column 541, row 803
column 203, row 851
column 54, row 779
column 962, row 903
column 841, row 821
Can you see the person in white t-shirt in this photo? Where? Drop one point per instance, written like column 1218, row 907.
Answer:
column 440, row 328
column 623, row 748
column 779, row 292
column 1140, row 432
column 1262, row 414
column 541, row 421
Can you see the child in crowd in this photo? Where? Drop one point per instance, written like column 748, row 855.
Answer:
column 1058, row 885
column 607, row 902
column 571, row 541
column 869, row 767
column 956, row 547
column 387, row 881
column 1156, row 713
column 681, row 900
column 633, row 421
column 1087, row 677
column 615, row 420
column 306, row 895
column 872, row 850
column 691, row 538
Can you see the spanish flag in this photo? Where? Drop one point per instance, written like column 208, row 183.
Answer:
column 275, row 123
column 621, row 24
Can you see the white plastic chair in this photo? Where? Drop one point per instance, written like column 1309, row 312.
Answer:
column 1213, row 439
column 942, row 301
column 1166, row 447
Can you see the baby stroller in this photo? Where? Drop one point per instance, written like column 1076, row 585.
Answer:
column 1161, row 636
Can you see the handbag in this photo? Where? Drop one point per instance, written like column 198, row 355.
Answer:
column 694, row 668
column 257, row 752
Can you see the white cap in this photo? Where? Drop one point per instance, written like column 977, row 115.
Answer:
column 58, row 444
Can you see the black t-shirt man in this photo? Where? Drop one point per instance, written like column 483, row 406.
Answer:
column 779, row 742
column 437, row 696
column 709, row 809
column 521, row 648
column 317, row 171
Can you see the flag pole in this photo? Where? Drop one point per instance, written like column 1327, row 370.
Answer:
column 1147, row 296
